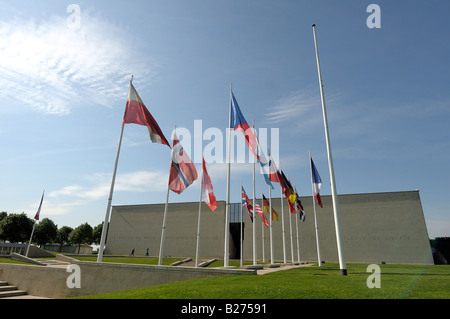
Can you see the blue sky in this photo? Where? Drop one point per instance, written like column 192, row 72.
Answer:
column 63, row 89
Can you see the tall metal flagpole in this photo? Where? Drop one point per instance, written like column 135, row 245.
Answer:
column 199, row 213
column 163, row 231
column 227, row 201
column 242, row 218
column 296, row 228
column 270, row 212
column 291, row 235
column 340, row 245
column 111, row 191
column 36, row 218
column 315, row 216
column 254, row 209
column 282, row 224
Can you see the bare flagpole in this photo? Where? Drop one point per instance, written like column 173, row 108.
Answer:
column 111, row 191
column 340, row 244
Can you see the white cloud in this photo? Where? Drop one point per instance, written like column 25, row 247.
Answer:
column 52, row 68
column 141, row 181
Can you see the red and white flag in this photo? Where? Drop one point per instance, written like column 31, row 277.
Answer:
column 207, row 189
column 137, row 113
column 182, row 170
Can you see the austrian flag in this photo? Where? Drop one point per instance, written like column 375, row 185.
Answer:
column 182, row 170
column 207, row 190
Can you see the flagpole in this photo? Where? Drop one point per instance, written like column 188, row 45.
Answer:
column 270, row 212
column 241, row 239
column 315, row 216
column 340, row 244
column 296, row 228
column 227, row 201
column 36, row 218
column 291, row 234
column 163, row 231
column 254, row 208
column 161, row 247
column 108, row 207
column 32, row 231
column 282, row 223
column 199, row 212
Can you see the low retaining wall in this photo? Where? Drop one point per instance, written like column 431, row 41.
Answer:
column 96, row 278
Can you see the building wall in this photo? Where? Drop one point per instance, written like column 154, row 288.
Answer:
column 376, row 227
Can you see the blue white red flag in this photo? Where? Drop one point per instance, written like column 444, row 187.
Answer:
column 238, row 123
column 182, row 170
column 317, row 183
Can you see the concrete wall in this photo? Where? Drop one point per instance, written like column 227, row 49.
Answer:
column 376, row 227
column 99, row 278
column 140, row 226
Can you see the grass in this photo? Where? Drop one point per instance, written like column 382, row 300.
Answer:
column 397, row 282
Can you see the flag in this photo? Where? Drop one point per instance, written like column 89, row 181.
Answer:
column 36, row 217
column 182, row 170
column 258, row 210
column 301, row 214
column 238, row 123
column 266, row 208
column 137, row 113
column 207, row 190
column 317, row 183
column 288, row 191
column 273, row 171
column 246, row 203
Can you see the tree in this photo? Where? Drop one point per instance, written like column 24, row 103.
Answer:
column 81, row 235
column 45, row 232
column 97, row 234
column 16, row 228
column 62, row 236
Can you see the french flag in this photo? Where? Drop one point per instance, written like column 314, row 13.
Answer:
column 317, row 183
column 182, row 170
column 238, row 123
column 137, row 113
column 207, row 190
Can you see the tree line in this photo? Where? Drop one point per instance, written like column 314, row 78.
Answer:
column 16, row 228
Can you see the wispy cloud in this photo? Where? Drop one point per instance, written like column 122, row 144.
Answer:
column 141, row 181
column 298, row 106
column 51, row 68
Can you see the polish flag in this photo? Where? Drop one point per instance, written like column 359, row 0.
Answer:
column 137, row 113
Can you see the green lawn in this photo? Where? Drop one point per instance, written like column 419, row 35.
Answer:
column 397, row 282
